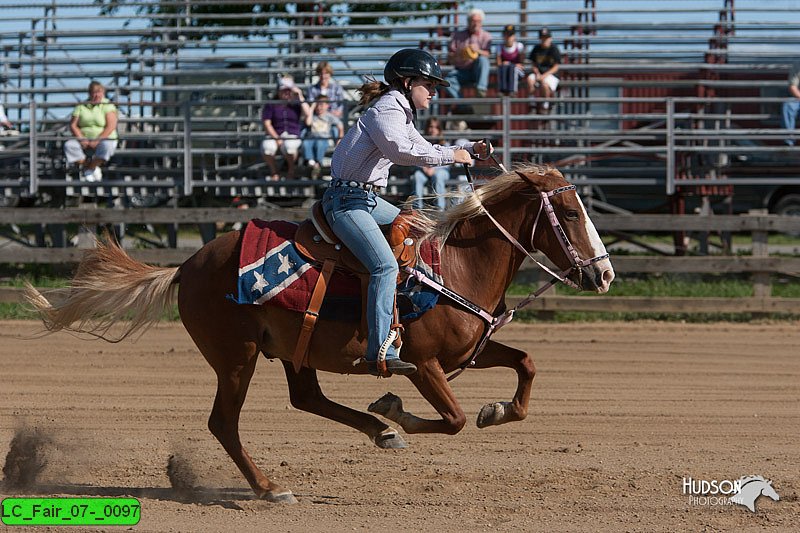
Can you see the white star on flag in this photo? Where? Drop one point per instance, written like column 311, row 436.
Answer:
column 286, row 265
column 260, row 283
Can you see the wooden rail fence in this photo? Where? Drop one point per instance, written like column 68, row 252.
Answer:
column 760, row 264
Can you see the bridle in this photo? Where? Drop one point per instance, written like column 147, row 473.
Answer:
column 496, row 322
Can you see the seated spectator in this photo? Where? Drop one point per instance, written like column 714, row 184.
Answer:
column 510, row 56
column 321, row 122
column 546, row 59
column 791, row 108
column 94, row 125
column 327, row 86
column 283, row 123
column 434, row 177
column 6, row 127
column 468, row 52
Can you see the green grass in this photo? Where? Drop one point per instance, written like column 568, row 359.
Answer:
column 42, row 277
column 673, row 285
column 677, row 285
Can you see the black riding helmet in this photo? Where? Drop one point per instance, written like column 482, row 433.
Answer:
column 413, row 63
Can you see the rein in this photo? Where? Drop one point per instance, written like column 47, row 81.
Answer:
column 494, row 323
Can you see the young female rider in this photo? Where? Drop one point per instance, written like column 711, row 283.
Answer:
column 385, row 134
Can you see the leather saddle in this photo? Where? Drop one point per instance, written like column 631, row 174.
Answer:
column 316, row 241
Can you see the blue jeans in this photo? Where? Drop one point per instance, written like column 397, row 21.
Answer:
column 476, row 74
column 314, row 148
column 789, row 118
column 354, row 215
column 439, row 185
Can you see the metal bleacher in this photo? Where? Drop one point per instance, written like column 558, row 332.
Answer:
column 661, row 95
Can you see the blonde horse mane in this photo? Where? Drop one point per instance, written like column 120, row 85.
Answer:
column 432, row 223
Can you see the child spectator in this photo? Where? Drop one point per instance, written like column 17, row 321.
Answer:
column 510, row 56
column 546, row 59
column 435, row 177
column 321, row 123
column 327, row 86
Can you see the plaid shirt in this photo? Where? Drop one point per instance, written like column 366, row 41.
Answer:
column 385, row 135
column 334, row 92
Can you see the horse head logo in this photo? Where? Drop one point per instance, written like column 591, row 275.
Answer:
column 751, row 488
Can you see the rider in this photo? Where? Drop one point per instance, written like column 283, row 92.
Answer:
column 383, row 135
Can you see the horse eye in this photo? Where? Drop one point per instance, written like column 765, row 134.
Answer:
column 572, row 214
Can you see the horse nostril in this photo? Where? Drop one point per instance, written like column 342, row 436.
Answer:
column 608, row 277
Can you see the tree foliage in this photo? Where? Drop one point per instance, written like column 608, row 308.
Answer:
column 239, row 19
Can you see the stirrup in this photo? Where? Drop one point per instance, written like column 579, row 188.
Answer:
column 395, row 365
column 384, row 349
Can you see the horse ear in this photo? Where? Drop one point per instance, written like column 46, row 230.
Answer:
column 526, row 178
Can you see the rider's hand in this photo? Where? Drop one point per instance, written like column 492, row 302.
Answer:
column 480, row 149
column 461, row 156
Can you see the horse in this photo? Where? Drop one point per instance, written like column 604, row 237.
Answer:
column 478, row 263
column 751, row 488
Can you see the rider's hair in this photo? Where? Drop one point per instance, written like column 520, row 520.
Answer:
column 374, row 89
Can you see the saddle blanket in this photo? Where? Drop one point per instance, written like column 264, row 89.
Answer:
column 272, row 272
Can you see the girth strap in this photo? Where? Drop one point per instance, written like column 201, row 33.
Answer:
column 311, row 315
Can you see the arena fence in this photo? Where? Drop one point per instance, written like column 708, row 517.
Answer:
column 763, row 267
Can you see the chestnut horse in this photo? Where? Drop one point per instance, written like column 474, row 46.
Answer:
column 478, row 261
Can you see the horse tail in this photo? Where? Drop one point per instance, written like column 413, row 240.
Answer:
column 108, row 287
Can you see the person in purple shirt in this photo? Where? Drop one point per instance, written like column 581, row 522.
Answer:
column 385, row 134
column 283, row 123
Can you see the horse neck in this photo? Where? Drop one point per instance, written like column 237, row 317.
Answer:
column 478, row 261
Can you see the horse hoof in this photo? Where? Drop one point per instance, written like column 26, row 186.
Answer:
column 285, row 496
column 492, row 414
column 386, row 405
column 390, row 439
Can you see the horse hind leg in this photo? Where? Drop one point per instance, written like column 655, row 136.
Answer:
column 306, row 395
column 494, row 355
column 232, row 385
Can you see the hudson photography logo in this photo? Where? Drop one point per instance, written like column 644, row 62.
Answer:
column 743, row 491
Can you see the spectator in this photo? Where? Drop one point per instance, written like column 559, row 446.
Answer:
column 283, row 123
column 510, row 56
column 5, row 125
column 436, row 177
column 468, row 52
column 321, row 122
column 791, row 109
column 546, row 59
column 327, row 86
column 94, row 125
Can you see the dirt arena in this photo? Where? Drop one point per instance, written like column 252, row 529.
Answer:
column 620, row 414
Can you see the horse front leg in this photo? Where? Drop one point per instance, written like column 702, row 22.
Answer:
column 431, row 382
column 494, row 355
column 306, row 395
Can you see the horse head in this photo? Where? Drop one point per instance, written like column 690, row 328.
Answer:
column 561, row 228
column 769, row 491
column 751, row 488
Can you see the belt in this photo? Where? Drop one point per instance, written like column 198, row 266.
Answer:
column 369, row 187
